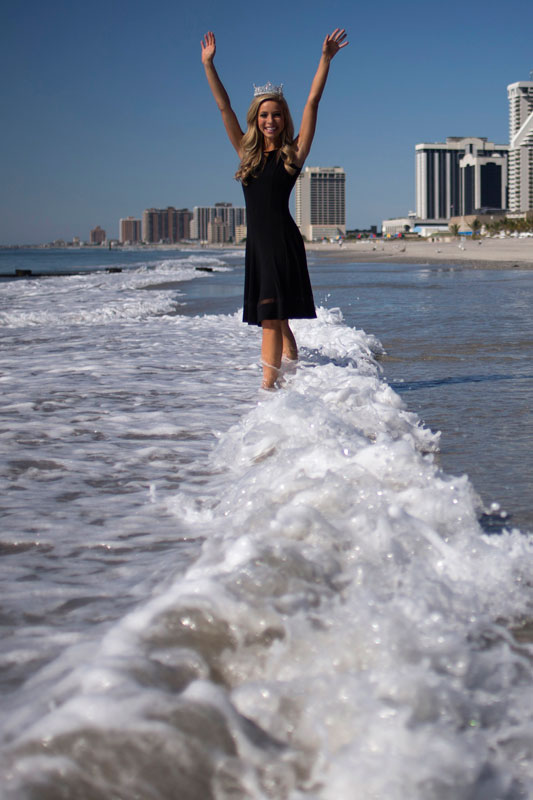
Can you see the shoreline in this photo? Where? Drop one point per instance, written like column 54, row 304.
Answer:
column 472, row 254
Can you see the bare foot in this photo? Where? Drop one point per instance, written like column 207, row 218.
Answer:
column 271, row 375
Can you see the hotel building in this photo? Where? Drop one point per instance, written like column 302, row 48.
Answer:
column 130, row 230
column 321, row 202
column 224, row 218
column 521, row 146
column 460, row 176
column 167, row 225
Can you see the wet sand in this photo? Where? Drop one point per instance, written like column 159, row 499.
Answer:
column 476, row 254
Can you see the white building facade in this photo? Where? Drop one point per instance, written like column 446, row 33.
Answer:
column 320, row 200
column 521, row 146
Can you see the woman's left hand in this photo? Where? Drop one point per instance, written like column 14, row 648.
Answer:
column 209, row 47
column 334, row 42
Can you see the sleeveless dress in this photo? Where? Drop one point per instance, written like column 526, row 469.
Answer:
column 276, row 280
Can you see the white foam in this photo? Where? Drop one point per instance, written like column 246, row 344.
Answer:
column 346, row 611
column 101, row 298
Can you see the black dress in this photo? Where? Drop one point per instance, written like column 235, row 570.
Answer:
column 276, row 282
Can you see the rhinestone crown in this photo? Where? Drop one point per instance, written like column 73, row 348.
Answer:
column 268, row 88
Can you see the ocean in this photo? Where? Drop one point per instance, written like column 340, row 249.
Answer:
column 210, row 591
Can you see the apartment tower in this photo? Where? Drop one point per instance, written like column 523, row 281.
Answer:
column 130, row 230
column 521, row 146
column 321, row 202
column 166, row 225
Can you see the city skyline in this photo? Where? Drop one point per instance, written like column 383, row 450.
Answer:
column 108, row 113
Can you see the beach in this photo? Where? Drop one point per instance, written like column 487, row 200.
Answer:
column 482, row 253
column 478, row 253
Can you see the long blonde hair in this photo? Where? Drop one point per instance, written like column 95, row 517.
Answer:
column 252, row 141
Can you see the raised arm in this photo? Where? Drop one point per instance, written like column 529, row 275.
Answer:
column 231, row 123
column 332, row 44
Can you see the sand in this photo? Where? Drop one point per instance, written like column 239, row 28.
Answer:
column 476, row 254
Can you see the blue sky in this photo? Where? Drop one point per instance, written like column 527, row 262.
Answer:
column 106, row 110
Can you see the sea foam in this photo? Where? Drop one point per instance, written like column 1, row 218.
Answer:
column 345, row 631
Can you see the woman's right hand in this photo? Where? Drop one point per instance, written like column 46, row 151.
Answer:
column 209, row 47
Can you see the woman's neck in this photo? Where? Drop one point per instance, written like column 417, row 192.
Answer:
column 269, row 145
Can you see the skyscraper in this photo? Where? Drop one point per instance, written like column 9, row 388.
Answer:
column 460, row 176
column 521, row 146
column 483, row 183
column 321, row 202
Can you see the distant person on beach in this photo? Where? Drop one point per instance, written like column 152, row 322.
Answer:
column 276, row 284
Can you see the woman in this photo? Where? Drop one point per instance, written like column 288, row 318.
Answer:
column 276, row 286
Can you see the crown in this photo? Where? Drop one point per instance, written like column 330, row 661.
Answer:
column 268, row 88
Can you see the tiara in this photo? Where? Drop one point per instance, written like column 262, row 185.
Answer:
column 268, row 88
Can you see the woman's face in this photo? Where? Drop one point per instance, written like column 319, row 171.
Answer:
column 270, row 121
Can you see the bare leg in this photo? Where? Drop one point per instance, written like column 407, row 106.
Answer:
column 290, row 349
column 271, row 351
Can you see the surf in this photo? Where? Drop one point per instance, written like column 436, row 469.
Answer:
column 344, row 609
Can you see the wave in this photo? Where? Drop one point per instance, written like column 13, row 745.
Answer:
column 170, row 264
column 346, row 630
column 94, row 298
column 226, row 252
column 102, row 298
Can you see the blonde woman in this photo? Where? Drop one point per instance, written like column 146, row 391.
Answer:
column 276, row 284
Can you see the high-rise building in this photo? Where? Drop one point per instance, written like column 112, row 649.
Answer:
column 483, row 183
column 97, row 235
column 320, row 200
column 167, row 225
column 460, row 176
column 229, row 215
column 183, row 224
column 130, row 230
column 520, row 146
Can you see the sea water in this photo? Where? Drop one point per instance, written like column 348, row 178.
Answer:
column 209, row 591
column 459, row 351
